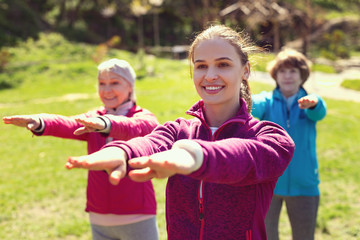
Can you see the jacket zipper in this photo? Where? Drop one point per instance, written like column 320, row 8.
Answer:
column 288, row 119
column 201, row 205
column 201, row 210
column 248, row 235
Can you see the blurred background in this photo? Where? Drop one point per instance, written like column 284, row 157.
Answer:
column 328, row 28
column 49, row 51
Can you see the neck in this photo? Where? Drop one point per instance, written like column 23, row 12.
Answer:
column 288, row 94
column 121, row 109
column 217, row 115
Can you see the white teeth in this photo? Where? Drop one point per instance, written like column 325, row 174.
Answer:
column 212, row 88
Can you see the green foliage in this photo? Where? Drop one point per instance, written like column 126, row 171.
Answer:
column 351, row 84
column 334, row 45
column 5, row 82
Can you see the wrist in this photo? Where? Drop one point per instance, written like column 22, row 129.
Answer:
column 194, row 149
column 107, row 125
column 41, row 126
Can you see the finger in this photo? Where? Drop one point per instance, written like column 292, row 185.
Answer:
column 141, row 175
column 15, row 120
column 82, row 121
column 6, row 120
column 69, row 165
column 80, row 130
column 77, row 162
column 91, row 124
column 140, row 162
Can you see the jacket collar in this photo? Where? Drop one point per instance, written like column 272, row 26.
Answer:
column 197, row 110
column 278, row 95
column 128, row 109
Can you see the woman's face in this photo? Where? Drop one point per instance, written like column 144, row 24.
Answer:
column 113, row 90
column 218, row 72
column 289, row 80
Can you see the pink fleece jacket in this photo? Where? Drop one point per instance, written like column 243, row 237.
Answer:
column 102, row 197
column 228, row 197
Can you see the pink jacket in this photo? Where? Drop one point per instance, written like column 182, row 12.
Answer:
column 229, row 196
column 102, row 197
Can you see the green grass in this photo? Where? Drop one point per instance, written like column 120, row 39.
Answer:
column 351, row 84
column 323, row 68
column 40, row 199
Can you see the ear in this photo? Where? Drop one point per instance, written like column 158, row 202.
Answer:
column 246, row 73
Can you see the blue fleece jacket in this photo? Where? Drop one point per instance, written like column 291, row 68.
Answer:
column 301, row 178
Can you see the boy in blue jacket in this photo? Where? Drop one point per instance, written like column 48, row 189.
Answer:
column 290, row 106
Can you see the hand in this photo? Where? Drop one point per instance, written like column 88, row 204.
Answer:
column 31, row 122
column 111, row 159
column 308, row 101
column 162, row 165
column 91, row 124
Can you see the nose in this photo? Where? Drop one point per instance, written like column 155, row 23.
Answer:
column 211, row 74
column 287, row 74
column 107, row 88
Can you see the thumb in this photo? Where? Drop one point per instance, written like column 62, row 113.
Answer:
column 80, row 130
column 116, row 175
column 32, row 126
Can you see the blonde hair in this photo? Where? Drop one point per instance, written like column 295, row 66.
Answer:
column 241, row 42
column 290, row 58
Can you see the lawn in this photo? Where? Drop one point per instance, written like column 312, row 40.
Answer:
column 40, row 199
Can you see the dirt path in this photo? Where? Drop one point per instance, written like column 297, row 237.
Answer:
column 326, row 85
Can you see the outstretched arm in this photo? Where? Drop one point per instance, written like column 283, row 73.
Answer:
column 184, row 158
column 111, row 159
column 31, row 122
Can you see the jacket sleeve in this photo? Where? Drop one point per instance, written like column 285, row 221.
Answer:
column 161, row 139
column 259, row 105
column 60, row 126
column 125, row 128
column 319, row 112
column 238, row 161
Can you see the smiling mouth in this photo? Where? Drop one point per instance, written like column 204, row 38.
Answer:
column 110, row 99
column 213, row 88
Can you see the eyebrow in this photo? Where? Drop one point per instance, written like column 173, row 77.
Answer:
column 218, row 59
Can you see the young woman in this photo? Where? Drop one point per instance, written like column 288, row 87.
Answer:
column 114, row 214
column 223, row 164
column 291, row 107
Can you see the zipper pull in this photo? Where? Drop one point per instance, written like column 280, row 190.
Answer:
column 288, row 123
column 201, row 215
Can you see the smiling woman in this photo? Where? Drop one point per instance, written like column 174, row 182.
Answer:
column 112, row 212
column 217, row 70
column 116, row 83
